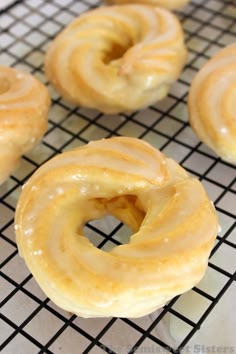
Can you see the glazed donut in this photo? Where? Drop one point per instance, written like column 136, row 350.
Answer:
column 173, row 221
column 211, row 103
column 168, row 4
column 117, row 58
column 24, row 104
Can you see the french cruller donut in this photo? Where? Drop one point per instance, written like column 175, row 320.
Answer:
column 174, row 227
column 117, row 58
column 212, row 103
column 24, row 105
column 168, row 4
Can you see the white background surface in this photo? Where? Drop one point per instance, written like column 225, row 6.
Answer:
column 5, row 3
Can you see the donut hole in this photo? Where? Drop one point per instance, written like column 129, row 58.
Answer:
column 4, row 85
column 107, row 232
column 121, row 220
column 116, row 52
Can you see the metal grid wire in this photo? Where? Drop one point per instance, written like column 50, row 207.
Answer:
column 30, row 322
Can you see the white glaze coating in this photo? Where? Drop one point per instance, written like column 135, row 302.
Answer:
column 168, row 4
column 119, row 58
column 24, row 104
column 173, row 221
column 212, row 105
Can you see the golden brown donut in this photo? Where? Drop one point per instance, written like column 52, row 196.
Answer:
column 212, row 103
column 117, row 58
column 168, row 4
column 173, row 221
column 24, row 105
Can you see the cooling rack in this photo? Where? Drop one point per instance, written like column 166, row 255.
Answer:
column 200, row 321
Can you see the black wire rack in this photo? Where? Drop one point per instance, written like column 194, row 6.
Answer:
column 199, row 321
